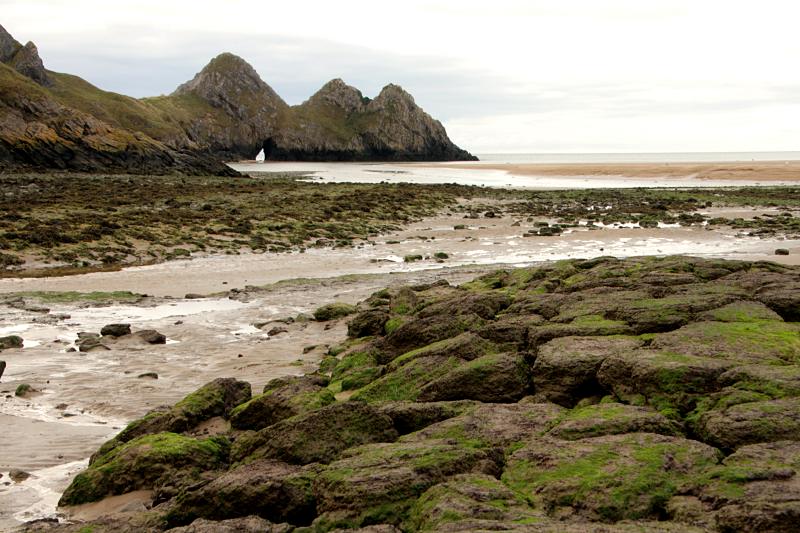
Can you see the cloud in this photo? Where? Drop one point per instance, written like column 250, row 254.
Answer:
column 521, row 76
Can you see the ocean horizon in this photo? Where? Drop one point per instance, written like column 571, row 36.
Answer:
column 638, row 157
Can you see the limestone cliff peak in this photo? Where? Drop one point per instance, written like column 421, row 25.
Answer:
column 339, row 94
column 8, row 46
column 230, row 82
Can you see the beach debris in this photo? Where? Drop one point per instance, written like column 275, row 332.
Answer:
column 116, row 330
column 148, row 375
column 17, row 475
column 11, row 341
column 151, row 336
column 23, row 390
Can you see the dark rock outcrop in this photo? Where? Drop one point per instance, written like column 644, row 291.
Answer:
column 56, row 121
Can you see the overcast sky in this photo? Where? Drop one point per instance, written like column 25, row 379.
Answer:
column 503, row 76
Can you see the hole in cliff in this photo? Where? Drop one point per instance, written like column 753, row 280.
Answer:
column 270, row 148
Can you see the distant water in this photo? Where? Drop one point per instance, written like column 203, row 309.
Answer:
column 654, row 157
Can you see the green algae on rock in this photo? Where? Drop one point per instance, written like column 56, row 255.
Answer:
column 663, row 398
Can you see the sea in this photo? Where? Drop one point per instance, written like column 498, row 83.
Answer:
column 641, row 157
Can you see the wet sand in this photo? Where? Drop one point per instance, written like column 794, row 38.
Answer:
column 756, row 171
column 484, row 241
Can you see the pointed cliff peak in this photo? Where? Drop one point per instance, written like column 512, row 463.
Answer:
column 28, row 63
column 230, row 82
column 394, row 92
column 8, row 46
column 338, row 94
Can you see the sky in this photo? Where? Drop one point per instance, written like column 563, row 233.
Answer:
column 503, row 76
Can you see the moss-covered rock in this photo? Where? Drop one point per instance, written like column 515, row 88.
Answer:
column 755, row 489
column 419, row 332
column 317, row 436
column 485, row 305
column 566, row 369
column 10, row 341
column 466, row 346
column 142, row 463
column 672, row 383
column 249, row 524
column 612, row 419
column 491, row 378
column 378, row 483
column 333, row 311
column 216, row 398
column 609, row 478
column 368, row 323
column 755, row 342
column 471, row 502
column 493, row 426
column 408, row 417
column 732, row 426
column 407, row 382
column 282, row 398
column 269, row 489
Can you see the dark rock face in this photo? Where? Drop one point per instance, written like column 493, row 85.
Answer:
column 8, row 46
column 53, row 121
column 339, row 124
column 687, row 422
column 28, row 63
column 232, row 85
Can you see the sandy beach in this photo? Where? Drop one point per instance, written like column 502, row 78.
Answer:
column 761, row 171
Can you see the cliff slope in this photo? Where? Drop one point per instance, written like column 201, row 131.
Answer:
column 51, row 120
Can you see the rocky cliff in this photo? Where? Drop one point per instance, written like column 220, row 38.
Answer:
column 50, row 120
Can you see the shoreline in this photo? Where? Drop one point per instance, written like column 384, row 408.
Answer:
column 768, row 171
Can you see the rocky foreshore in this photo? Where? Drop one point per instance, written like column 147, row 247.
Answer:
column 648, row 394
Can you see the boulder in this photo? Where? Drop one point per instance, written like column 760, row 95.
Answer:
column 408, row 417
column 755, row 489
column 492, row 378
column 407, row 382
column 471, row 502
column 750, row 423
column 608, row 478
column 10, row 341
column 248, row 524
column 216, row 398
column 566, row 369
column 486, row 305
column 318, row 436
column 151, row 336
column 466, row 346
column 333, row 311
column 492, row 425
column 419, row 332
column 282, row 398
column 272, row 490
column 142, row 463
column 612, row 419
column 116, row 330
column 380, row 482
column 2, row 368
column 367, row 323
